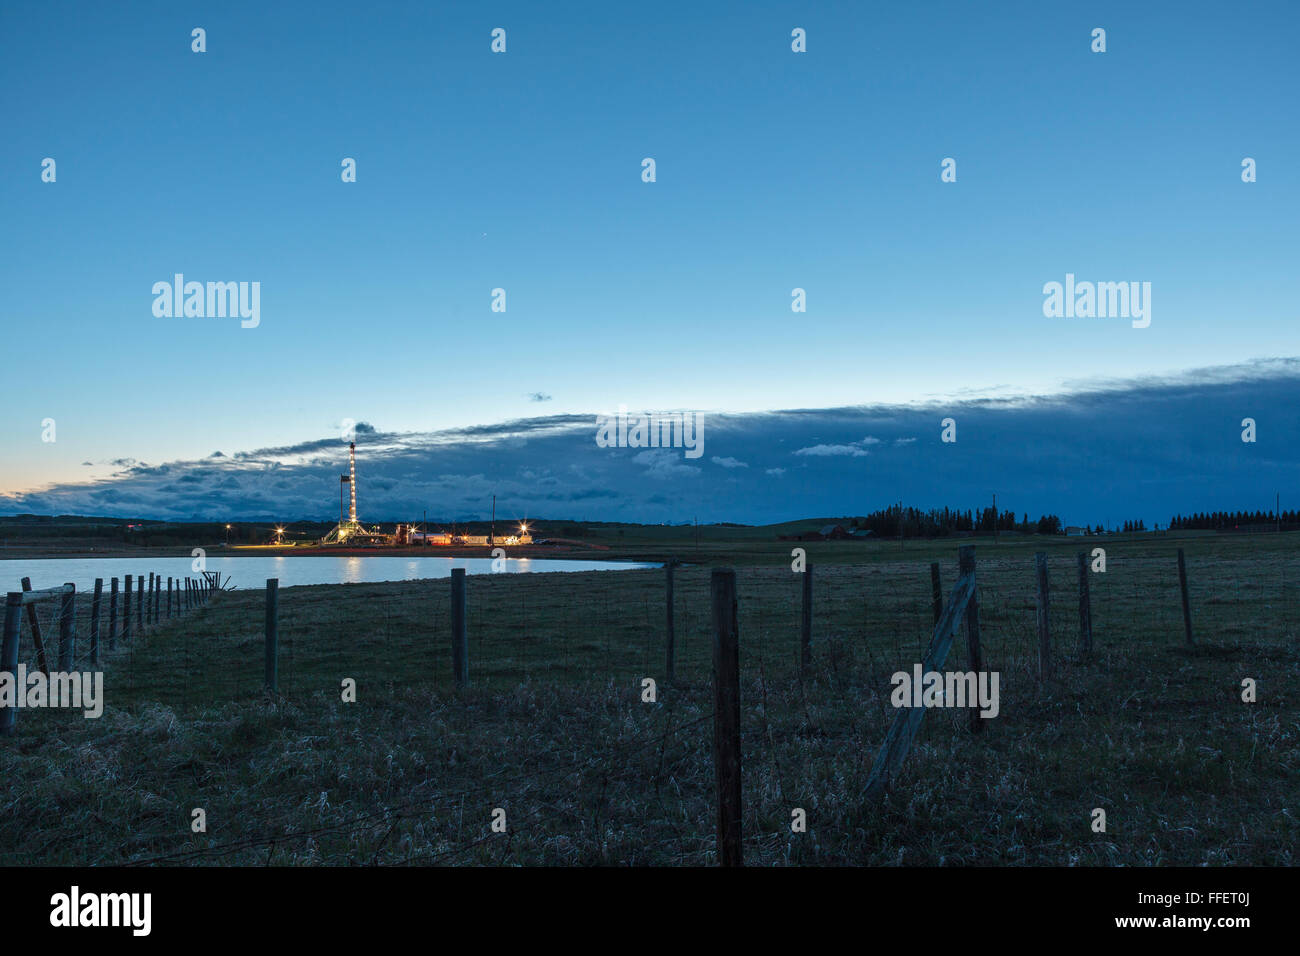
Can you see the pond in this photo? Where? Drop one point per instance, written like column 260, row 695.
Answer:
column 292, row 571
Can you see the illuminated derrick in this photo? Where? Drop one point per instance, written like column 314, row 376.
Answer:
column 349, row 529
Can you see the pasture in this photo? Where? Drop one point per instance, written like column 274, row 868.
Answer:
column 554, row 729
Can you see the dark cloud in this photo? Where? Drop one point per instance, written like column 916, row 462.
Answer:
column 1105, row 451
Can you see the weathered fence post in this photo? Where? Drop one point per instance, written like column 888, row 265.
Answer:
column 1044, row 639
column 148, row 607
column 1085, row 606
column 9, row 654
column 936, row 591
column 169, row 599
column 726, row 714
column 157, row 596
column 1187, row 604
column 126, row 607
column 272, row 630
column 898, row 739
column 805, row 623
column 94, row 620
column 112, row 615
column 139, row 603
column 67, row 610
column 975, row 654
column 37, row 639
column 670, row 629
column 459, row 628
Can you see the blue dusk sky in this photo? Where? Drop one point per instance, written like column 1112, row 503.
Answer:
column 522, row 171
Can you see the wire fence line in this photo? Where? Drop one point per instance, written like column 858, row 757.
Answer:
column 607, row 632
column 520, row 630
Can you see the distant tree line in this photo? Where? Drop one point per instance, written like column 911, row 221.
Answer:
column 944, row 522
column 1232, row 520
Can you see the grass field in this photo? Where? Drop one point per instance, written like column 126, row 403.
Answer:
column 554, row 729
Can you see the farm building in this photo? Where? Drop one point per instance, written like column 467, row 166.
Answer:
column 829, row 532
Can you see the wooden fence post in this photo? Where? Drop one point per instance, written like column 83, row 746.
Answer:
column 169, row 599
column 898, row 739
column 1085, row 606
column 1187, row 604
column 67, row 636
column 126, row 607
column 9, row 654
column 974, row 653
column 726, row 715
column 112, row 615
column 157, row 595
column 936, row 591
column 670, row 627
column 459, row 628
column 1044, row 639
column 148, row 607
column 272, row 630
column 139, row 603
column 41, row 661
column 94, row 620
column 805, row 623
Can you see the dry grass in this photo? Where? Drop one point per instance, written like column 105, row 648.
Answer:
column 554, row 729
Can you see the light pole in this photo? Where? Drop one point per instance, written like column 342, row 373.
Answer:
column 227, row 536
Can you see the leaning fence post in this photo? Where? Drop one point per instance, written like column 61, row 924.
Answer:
column 1187, row 605
column 1085, row 606
column 669, row 625
column 9, row 654
column 975, row 654
column 272, row 630
column 805, row 623
column 37, row 639
column 94, row 620
column 726, row 715
column 67, row 610
column 459, row 628
column 1044, row 641
column 126, row 607
column 112, row 615
column 936, row 590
